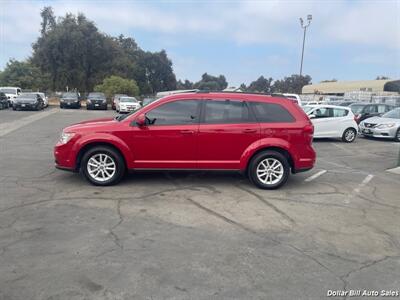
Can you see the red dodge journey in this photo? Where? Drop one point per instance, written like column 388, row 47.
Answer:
column 263, row 136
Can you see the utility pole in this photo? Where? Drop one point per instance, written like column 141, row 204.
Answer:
column 304, row 26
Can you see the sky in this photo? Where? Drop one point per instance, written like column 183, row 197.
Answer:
column 346, row 40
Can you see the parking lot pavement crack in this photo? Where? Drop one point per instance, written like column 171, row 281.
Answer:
column 345, row 277
column 275, row 241
column 269, row 204
column 115, row 237
column 220, row 216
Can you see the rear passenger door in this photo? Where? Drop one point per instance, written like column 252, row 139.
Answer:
column 227, row 128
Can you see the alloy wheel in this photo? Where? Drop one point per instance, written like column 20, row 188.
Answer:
column 101, row 167
column 270, row 171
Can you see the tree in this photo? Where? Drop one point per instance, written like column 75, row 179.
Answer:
column 48, row 19
column 74, row 53
column 187, row 85
column 261, row 85
column 292, row 84
column 381, row 78
column 330, row 80
column 25, row 75
column 211, row 83
column 117, row 85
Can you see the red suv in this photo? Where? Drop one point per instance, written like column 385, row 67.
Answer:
column 263, row 136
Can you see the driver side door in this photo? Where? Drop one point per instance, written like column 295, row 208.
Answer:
column 169, row 138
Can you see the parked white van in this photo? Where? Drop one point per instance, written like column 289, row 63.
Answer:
column 11, row 93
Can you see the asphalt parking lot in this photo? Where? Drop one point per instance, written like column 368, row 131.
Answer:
column 177, row 235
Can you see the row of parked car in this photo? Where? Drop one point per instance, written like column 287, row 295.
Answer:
column 122, row 103
column 368, row 119
column 32, row 100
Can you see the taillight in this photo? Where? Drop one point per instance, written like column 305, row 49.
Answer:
column 309, row 132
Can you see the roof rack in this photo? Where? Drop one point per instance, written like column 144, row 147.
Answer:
column 235, row 92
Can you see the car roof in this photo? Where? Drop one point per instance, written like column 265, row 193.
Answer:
column 228, row 95
column 326, row 105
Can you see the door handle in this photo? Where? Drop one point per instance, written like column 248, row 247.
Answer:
column 187, row 131
column 248, row 130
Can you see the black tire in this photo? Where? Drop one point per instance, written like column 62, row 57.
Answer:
column 349, row 135
column 113, row 155
column 272, row 156
column 397, row 136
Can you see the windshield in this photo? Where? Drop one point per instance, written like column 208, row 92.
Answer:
column 393, row 114
column 127, row 99
column 9, row 91
column 27, row 96
column 307, row 108
column 96, row 96
column 357, row 108
column 69, row 95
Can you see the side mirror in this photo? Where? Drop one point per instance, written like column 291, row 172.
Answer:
column 141, row 120
column 312, row 116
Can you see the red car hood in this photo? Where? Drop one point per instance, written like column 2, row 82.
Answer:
column 91, row 123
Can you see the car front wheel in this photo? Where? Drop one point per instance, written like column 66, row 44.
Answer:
column 269, row 170
column 102, row 166
column 349, row 135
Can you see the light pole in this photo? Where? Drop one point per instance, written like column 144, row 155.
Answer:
column 304, row 26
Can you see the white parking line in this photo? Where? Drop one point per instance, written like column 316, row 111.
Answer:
column 316, row 175
column 8, row 127
column 363, row 183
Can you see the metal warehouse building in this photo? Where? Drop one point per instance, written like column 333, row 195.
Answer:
column 339, row 88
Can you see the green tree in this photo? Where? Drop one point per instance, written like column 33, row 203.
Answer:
column 261, row 85
column 48, row 19
column 117, row 85
column 186, row 85
column 330, row 80
column 292, row 84
column 381, row 78
column 25, row 75
column 211, row 83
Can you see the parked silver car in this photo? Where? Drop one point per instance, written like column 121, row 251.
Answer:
column 386, row 126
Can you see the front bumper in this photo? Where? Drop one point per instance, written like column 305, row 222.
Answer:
column 388, row 133
column 26, row 105
column 127, row 109
column 64, row 157
column 96, row 105
column 70, row 104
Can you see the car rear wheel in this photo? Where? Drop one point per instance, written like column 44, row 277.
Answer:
column 102, row 166
column 349, row 135
column 397, row 136
column 269, row 170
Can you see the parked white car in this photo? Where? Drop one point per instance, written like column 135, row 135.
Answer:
column 294, row 97
column 11, row 92
column 45, row 99
column 127, row 104
column 332, row 121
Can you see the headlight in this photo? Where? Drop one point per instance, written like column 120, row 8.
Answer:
column 383, row 126
column 66, row 137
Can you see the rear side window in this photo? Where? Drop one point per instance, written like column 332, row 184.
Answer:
column 271, row 113
column 226, row 112
column 370, row 109
column 337, row 112
column 174, row 113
